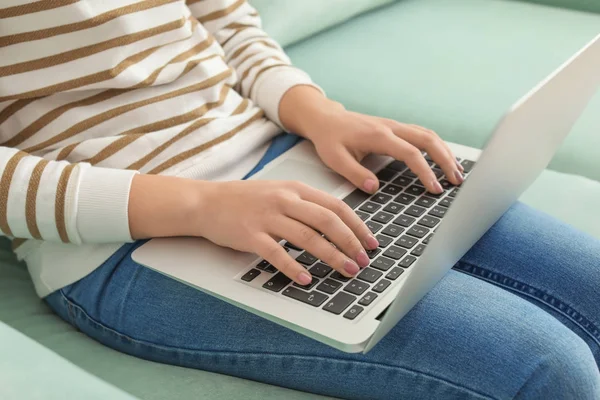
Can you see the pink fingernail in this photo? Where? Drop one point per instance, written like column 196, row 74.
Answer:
column 459, row 177
column 304, row 278
column 372, row 242
column 351, row 267
column 437, row 187
column 370, row 186
column 460, row 166
column 362, row 259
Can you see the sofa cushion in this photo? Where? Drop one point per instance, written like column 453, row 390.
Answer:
column 582, row 5
column 289, row 21
column 455, row 67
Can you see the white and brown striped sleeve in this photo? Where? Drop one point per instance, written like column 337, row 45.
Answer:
column 62, row 202
column 264, row 71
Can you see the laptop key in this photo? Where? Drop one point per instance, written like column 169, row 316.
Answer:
column 446, row 184
column 250, row 275
column 396, row 165
column 356, row 198
column 383, row 217
column 369, row 275
column 320, row 270
column 362, row 215
column 404, row 220
column 407, row 242
column 386, row 174
column 453, row 193
column 356, row 287
column 306, row 258
column 262, row 265
column 373, row 226
column 373, row 253
column 382, row 264
column 438, row 172
column 438, row 212
column 292, row 246
column 314, row 299
column 446, row 202
column 415, row 190
column 329, row 286
column 428, row 221
column 392, row 230
column 381, row 286
column 404, row 198
column 353, row 312
column 309, row 286
column 407, row 261
column 415, row 211
column 339, row 303
column 427, row 239
column 417, row 231
column 392, row 189
column 467, row 165
column 394, row 273
column 409, row 174
column 418, row 251
column 339, row 277
column 370, row 207
column 425, row 201
column 367, row 299
column 402, row 181
column 393, row 208
column 383, row 240
column 270, row 269
column 394, row 253
column 381, row 198
column 277, row 282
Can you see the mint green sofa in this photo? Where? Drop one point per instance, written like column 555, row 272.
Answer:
column 453, row 66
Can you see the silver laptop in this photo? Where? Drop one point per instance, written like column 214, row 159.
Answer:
column 421, row 236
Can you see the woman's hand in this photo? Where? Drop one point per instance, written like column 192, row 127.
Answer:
column 343, row 138
column 253, row 216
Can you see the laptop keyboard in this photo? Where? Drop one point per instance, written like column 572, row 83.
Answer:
column 402, row 215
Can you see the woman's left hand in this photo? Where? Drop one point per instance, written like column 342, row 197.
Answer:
column 343, row 138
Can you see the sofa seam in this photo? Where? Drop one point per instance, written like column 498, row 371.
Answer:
column 278, row 355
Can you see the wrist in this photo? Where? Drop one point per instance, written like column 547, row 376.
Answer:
column 303, row 108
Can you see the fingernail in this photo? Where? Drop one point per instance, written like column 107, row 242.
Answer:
column 437, row 188
column 459, row 165
column 351, row 267
column 459, row 177
column 362, row 259
column 304, row 278
column 370, row 186
column 372, row 242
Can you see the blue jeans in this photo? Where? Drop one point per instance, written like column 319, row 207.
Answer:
column 517, row 317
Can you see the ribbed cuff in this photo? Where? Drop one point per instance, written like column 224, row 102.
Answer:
column 102, row 206
column 273, row 84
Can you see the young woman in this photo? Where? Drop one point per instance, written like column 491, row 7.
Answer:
column 125, row 120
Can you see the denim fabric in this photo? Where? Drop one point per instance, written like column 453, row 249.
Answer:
column 518, row 317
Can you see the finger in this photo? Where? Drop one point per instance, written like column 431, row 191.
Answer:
column 434, row 146
column 448, row 149
column 344, row 212
column 393, row 146
column 346, row 165
column 332, row 226
column 310, row 240
column 275, row 254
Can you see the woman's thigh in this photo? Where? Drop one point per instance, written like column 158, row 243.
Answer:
column 466, row 339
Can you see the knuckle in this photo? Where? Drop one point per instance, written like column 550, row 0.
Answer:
column 308, row 235
column 325, row 218
column 350, row 240
column 339, row 207
column 412, row 153
column 430, row 140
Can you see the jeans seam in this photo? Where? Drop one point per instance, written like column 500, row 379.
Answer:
column 547, row 299
column 72, row 306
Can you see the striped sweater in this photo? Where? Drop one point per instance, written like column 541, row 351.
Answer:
column 95, row 91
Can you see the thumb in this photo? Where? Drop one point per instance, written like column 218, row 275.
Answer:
column 346, row 165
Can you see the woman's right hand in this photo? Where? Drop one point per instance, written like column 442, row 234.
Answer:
column 253, row 216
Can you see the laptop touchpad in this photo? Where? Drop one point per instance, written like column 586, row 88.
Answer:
column 311, row 174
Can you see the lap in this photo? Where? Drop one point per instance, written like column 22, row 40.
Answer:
column 466, row 339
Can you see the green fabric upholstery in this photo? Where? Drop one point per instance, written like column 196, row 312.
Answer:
column 455, row 66
column 56, row 378
column 581, row 5
column 289, row 21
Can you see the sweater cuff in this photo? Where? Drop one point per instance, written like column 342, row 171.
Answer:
column 102, row 205
column 273, row 84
